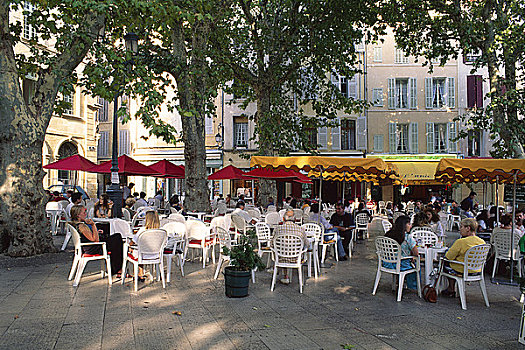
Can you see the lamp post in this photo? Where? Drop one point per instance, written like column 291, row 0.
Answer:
column 114, row 191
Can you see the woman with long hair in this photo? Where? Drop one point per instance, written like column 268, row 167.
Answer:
column 103, row 208
column 420, row 220
column 151, row 221
column 400, row 233
column 89, row 233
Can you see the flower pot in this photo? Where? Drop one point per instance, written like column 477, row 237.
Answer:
column 236, row 282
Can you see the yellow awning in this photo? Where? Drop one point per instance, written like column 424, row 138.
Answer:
column 417, row 173
column 480, row 170
column 370, row 166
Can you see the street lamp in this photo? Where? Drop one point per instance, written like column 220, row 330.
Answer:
column 114, row 191
column 218, row 137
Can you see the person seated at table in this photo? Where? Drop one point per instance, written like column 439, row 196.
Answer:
column 389, row 210
column 328, row 228
column 344, row 223
column 420, row 220
column 239, row 210
column 400, row 233
column 457, row 251
column 289, row 227
column 469, row 205
column 57, row 197
column 103, row 208
column 130, row 202
column 89, row 233
column 159, row 196
column 361, row 209
column 141, row 202
column 483, row 221
column 270, row 202
column 151, row 221
column 419, row 206
column 519, row 222
column 454, row 208
column 434, row 222
column 76, row 199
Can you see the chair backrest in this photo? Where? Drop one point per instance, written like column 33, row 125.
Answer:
column 306, row 211
column 386, row 225
column 75, row 236
column 223, row 222
column 388, row 250
column 271, row 208
column 410, row 207
column 177, row 217
column 314, row 230
column 196, row 229
column 263, row 232
column 501, row 240
column 397, row 214
column 272, row 218
column 298, row 213
column 282, row 212
column 224, row 238
column 175, row 229
column 253, row 213
column 126, row 214
column 222, row 208
column 475, row 258
column 53, row 206
column 287, row 246
column 239, row 223
column 382, row 205
column 151, row 242
column 423, row 236
column 361, row 220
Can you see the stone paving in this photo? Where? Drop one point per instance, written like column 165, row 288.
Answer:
column 40, row 309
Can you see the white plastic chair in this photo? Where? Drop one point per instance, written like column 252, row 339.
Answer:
column 281, row 213
column 389, row 251
column 272, row 219
column 199, row 236
column 325, row 243
column 221, row 209
column 361, row 224
column 453, row 220
column 500, row 239
column 386, row 225
column 411, row 208
column 81, row 259
column 177, row 217
column 298, row 214
column 239, row 224
column 175, row 246
column 54, row 212
column 382, row 207
column 126, row 214
column 225, row 240
column 475, row 259
column 271, row 208
column 149, row 250
column 396, row 215
column 264, row 236
column 424, row 236
column 315, row 231
column 288, row 251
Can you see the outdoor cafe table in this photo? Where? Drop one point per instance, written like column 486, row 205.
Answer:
column 117, row 226
column 54, row 215
column 198, row 214
column 430, row 254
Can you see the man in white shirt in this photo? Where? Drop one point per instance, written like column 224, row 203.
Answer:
column 141, row 202
column 76, row 199
column 239, row 210
column 126, row 191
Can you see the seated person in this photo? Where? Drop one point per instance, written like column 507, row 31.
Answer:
column 344, row 224
column 328, row 228
column 289, row 227
column 361, row 209
column 89, row 233
column 130, row 202
column 483, row 221
column 239, row 210
column 467, row 229
column 454, row 208
column 76, row 199
column 103, row 208
column 141, row 202
column 151, row 221
column 420, row 220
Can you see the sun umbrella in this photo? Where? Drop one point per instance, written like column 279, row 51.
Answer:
column 168, row 170
column 228, row 173
column 76, row 162
column 127, row 166
column 282, row 175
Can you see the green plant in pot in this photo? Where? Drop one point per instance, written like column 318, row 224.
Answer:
column 243, row 259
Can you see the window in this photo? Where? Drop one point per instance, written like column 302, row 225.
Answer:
column 208, row 125
column 322, row 137
column 400, row 57
column 402, row 93
column 69, row 98
column 28, row 31
column 403, row 138
column 103, row 144
column 378, row 54
column 378, row 143
column 311, row 133
column 441, row 137
column 347, row 134
column 474, row 91
column 471, row 57
column 440, row 92
column 348, row 88
column 123, row 142
column 240, row 132
column 474, row 143
column 102, row 113
column 28, row 87
column 67, row 149
column 377, row 97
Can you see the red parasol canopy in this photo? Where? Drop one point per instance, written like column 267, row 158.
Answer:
column 126, row 166
column 284, row 175
column 228, row 173
column 76, row 162
column 168, row 170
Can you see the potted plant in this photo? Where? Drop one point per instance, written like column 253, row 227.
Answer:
column 243, row 259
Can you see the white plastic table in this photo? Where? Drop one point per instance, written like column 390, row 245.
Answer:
column 54, row 215
column 198, row 214
column 430, row 255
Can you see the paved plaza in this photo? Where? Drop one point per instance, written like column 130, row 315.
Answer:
column 41, row 310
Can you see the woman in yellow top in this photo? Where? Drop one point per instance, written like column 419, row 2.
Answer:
column 467, row 229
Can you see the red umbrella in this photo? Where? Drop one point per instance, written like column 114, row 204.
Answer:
column 126, row 166
column 168, row 169
column 283, row 175
column 228, row 173
column 76, row 162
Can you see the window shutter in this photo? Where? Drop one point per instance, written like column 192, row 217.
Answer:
column 336, row 136
column 471, row 91
column 413, row 93
column 123, row 142
column 352, row 87
column 452, row 134
column 103, row 142
column 378, row 54
column 430, row 137
column 479, row 91
column 428, row 93
column 361, row 132
column 322, row 137
column 208, row 125
column 378, row 143
column 391, row 93
column 377, row 97
column 413, row 138
column 451, row 92
column 392, row 137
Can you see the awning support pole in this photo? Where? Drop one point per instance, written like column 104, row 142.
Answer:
column 497, row 199
column 513, row 226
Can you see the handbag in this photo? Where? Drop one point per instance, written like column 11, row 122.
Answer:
column 429, row 293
